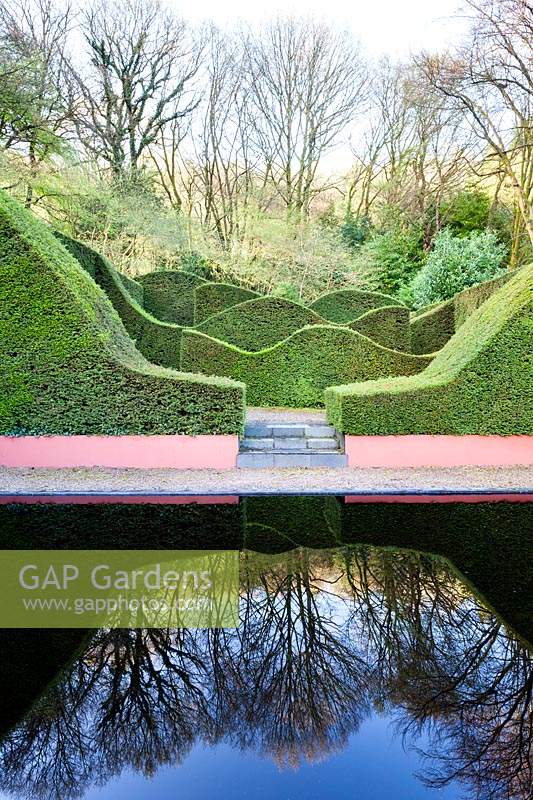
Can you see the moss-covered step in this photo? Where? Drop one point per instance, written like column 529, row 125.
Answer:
column 211, row 298
column 68, row 365
column 295, row 371
column 480, row 382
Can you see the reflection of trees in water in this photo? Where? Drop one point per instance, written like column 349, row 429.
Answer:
column 324, row 637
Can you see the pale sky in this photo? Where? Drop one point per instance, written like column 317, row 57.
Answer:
column 393, row 27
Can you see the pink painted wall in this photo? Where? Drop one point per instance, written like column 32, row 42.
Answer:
column 124, row 499
column 439, row 498
column 438, row 451
column 141, row 452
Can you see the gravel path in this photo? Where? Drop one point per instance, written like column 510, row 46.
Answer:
column 279, row 416
column 267, row 481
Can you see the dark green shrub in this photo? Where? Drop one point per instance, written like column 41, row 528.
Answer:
column 431, row 329
column 259, row 323
column 262, row 322
column 196, row 264
column 169, row 295
column 481, row 382
column 212, row 298
column 394, row 257
column 345, row 305
column 455, row 263
column 68, row 364
column 296, row 371
column 388, row 326
column 355, row 230
column 466, row 211
column 158, row 341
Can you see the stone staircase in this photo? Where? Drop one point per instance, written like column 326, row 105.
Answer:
column 295, row 444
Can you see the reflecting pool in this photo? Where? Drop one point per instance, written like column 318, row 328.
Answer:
column 382, row 651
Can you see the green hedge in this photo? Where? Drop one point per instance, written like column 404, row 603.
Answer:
column 212, row 298
column 388, row 326
column 169, row 295
column 481, row 382
column 466, row 302
column 68, row 365
column 431, row 330
column 133, row 288
column 158, row 341
column 296, row 371
column 435, row 325
column 260, row 323
column 346, row 305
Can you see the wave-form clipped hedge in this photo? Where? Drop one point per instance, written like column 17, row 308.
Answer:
column 388, row 326
column 345, row 305
column 259, row 323
column 481, row 382
column 466, row 302
column 212, row 298
column 169, row 295
column 68, row 365
column 296, row 371
column 158, row 341
column 431, row 330
column 262, row 322
column 133, row 288
column 434, row 326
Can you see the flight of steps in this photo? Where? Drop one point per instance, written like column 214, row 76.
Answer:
column 294, row 444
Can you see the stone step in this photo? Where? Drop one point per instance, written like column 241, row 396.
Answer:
column 260, row 460
column 262, row 430
column 299, row 443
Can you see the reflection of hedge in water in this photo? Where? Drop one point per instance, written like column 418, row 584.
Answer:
column 275, row 524
column 490, row 544
column 311, row 671
column 30, row 661
column 121, row 526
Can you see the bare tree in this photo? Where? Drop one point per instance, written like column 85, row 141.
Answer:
column 142, row 62
column 490, row 79
column 307, row 83
column 36, row 97
column 227, row 166
column 414, row 151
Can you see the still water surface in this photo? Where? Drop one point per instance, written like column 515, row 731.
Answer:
column 363, row 667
